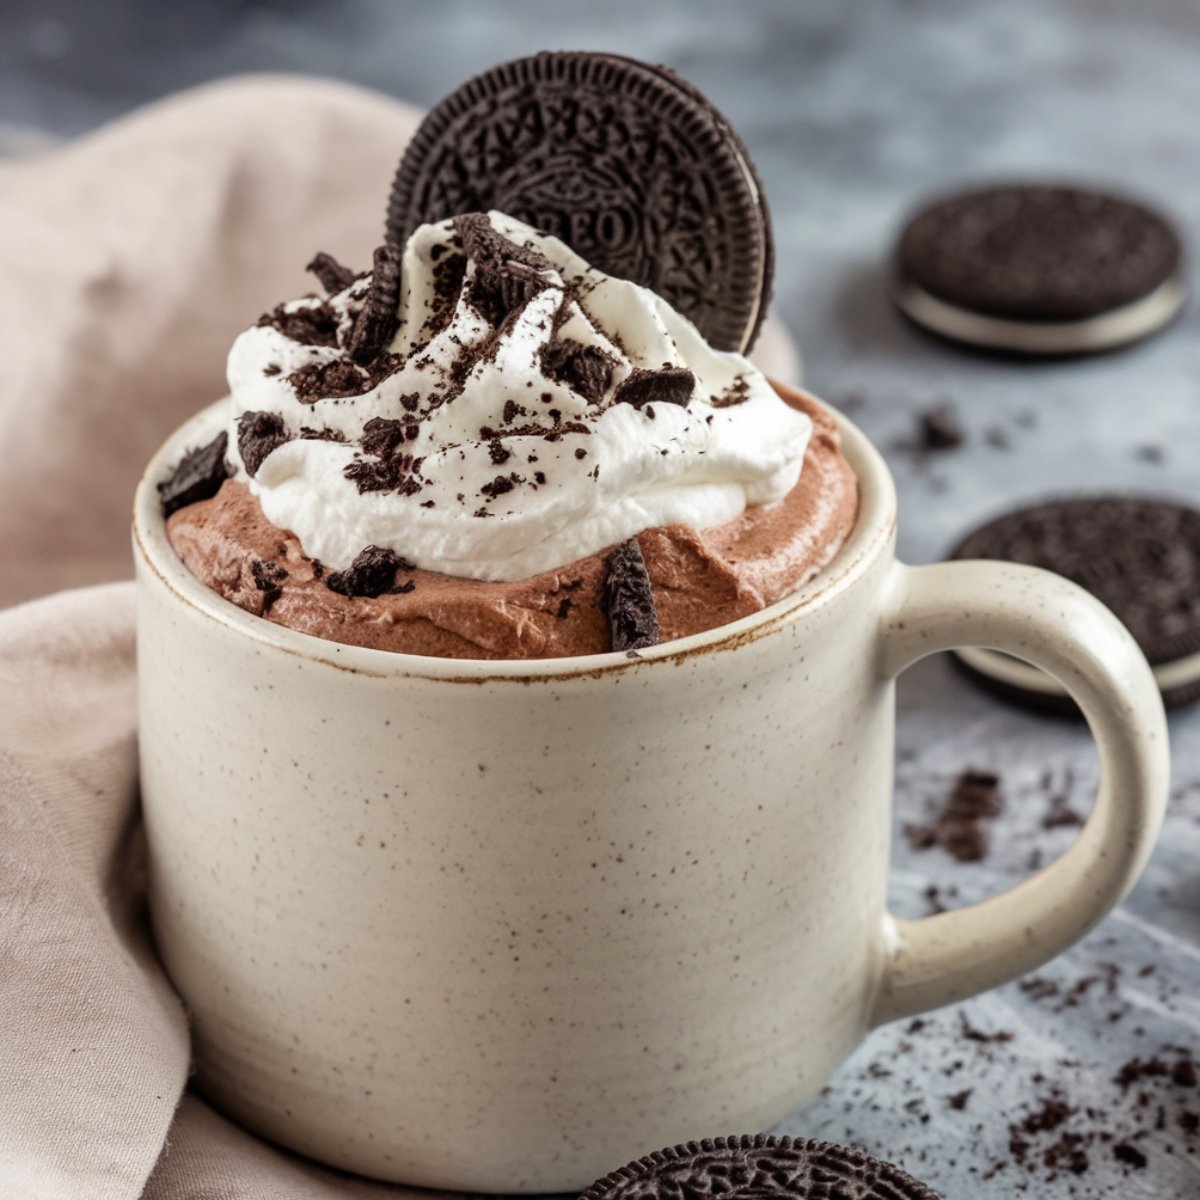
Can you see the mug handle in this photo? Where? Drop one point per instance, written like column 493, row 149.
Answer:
column 1057, row 626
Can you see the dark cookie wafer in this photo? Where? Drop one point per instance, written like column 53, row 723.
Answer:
column 197, row 476
column 334, row 277
column 625, row 162
column 629, row 599
column 379, row 316
column 1039, row 270
column 1139, row 556
column 757, row 1167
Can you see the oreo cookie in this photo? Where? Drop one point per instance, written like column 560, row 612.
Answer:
column 1139, row 556
column 758, row 1167
column 625, row 162
column 1038, row 270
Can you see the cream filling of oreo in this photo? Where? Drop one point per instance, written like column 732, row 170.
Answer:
column 1102, row 332
column 491, row 495
column 1020, row 674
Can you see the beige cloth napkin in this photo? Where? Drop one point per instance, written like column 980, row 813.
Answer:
column 129, row 262
column 93, row 1042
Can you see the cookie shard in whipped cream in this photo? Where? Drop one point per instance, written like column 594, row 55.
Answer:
column 450, row 473
column 525, row 412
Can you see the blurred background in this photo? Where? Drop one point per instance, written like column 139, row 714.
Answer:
column 855, row 110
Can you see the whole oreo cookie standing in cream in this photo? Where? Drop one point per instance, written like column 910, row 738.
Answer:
column 1039, row 270
column 1139, row 556
column 624, row 162
column 759, row 1167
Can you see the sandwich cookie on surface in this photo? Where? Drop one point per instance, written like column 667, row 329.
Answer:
column 1039, row 271
column 1139, row 556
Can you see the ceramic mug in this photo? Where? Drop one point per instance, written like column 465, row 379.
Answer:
column 502, row 926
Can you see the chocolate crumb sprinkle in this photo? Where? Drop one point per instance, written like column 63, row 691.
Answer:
column 268, row 578
column 940, row 428
column 326, row 380
column 310, row 325
column 974, row 798
column 738, row 392
column 1128, row 1153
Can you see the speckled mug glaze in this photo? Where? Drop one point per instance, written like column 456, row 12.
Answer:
column 500, row 926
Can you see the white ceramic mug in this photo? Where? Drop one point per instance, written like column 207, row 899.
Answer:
column 504, row 926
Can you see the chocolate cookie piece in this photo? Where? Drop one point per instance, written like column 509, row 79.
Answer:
column 379, row 316
column 197, row 476
column 333, row 276
column 669, row 385
column 629, row 599
column 758, row 1167
column 1039, row 270
column 372, row 573
column 625, row 162
column 1139, row 556
column 258, row 434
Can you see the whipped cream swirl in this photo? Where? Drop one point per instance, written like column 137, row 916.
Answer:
column 524, row 411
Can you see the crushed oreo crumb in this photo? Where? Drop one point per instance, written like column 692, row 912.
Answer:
column 387, row 467
column 197, row 476
column 975, row 797
column 322, row 380
column 268, row 578
column 332, row 276
column 259, row 434
column 738, row 392
column 501, row 485
column 629, row 599
column 372, row 573
column 586, row 370
column 506, row 276
column 670, row 385
column 310, row 325
column 940, row 428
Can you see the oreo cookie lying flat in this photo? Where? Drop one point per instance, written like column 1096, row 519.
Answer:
column 1039, row 270
column 1139, row 556
column 758, row 1167
column 626, row 163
